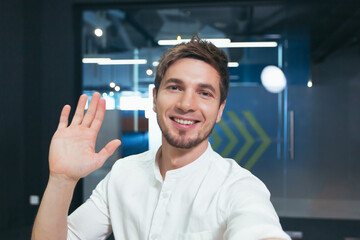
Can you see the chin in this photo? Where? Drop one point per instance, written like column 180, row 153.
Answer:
column 184, row 144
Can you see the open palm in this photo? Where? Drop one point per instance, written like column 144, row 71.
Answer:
column 72, row 149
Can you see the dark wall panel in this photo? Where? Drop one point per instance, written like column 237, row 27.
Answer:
column 32, row 120
column 11, row 116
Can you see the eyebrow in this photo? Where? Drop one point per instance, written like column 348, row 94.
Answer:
column 173, row 80
column 207, row 86
column 201, row 85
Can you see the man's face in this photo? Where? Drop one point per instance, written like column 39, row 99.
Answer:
column 188, row 103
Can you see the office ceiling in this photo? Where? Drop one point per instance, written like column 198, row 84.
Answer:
column 332, row 25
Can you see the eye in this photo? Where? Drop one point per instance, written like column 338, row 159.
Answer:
column 173, row 88
column 205, row 94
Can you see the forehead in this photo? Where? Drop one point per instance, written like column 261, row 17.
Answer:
column 193, row 71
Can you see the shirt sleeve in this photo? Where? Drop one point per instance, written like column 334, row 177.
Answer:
column 92, row 220
column 250, row 214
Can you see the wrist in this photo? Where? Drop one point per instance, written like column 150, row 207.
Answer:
column 62, row 180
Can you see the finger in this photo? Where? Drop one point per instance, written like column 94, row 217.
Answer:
column 99, row 117
column 90, row 113
column 107, row 151
column 79, row 112
column 63, row 122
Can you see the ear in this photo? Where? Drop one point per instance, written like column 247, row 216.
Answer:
column 154, row 99
column 220, row 111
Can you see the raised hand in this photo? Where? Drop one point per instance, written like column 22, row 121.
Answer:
column 72, row 149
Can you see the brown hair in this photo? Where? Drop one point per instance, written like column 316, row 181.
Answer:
column 201, row 50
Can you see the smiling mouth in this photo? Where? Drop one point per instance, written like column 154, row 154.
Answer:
column 183, row 121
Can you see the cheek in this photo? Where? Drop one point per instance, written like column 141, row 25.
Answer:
column 167, row 99
column 161, row 103
column 210, row 110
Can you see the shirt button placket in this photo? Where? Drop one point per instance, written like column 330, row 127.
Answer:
column 160, row 211
column 165, row 195
column 154, row 236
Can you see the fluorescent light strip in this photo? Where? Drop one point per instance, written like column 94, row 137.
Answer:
column 233, row 64
column 109, row 61
column 94, row 60
column 172, row 42
column 230, row 64
column 175, row 42
column 123, row 62
column 223, row 43
column 247, row 44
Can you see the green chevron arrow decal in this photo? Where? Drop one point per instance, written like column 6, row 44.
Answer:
column 232, row 139
column 265, row 140
column 249, row 141
column 217, row 140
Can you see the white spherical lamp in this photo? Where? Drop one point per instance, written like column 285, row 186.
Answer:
column 273, row 79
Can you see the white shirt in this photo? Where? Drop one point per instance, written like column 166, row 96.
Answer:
column 211, row 198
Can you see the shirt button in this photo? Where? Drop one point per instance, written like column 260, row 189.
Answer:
column 154, row 236
column 165, row 195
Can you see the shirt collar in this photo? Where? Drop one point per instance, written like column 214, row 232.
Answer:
column 201, row 164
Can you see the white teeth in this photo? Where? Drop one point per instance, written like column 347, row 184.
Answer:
column 182, row 121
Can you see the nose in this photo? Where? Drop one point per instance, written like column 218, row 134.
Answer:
column 187, row 102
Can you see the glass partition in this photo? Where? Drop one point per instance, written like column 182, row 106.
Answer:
column 302, row 142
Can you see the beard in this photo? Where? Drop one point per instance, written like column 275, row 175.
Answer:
column 181, row 141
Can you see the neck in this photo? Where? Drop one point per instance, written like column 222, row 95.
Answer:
column 170, row 157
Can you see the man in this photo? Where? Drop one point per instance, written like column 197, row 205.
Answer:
column 184, row 190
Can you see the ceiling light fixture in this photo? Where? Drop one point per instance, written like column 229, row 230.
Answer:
column 247, row 44
column 222, row 43
column 98, row 32
column 94, row 60
column 149, row 72
column 112, row 84
column 109, row 61
column 233, row 64
column 310, row 83
column 273, row 79
column 122, row 62
column 175, row 42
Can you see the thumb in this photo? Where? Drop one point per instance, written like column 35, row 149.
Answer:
column 107, row 151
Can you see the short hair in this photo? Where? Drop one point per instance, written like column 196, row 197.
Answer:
column 199, row 49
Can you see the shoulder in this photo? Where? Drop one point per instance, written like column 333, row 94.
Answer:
column 137, row 159
column 133, row 163
column 125, row 170
column 234, row 175
column 244, row 203
column 238, row 185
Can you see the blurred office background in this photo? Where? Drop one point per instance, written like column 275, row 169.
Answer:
column 302, row 140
